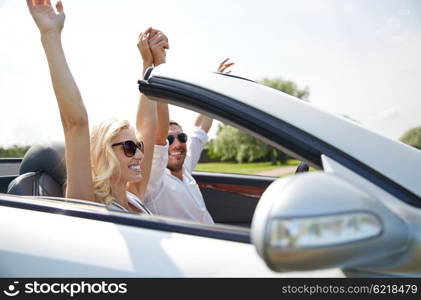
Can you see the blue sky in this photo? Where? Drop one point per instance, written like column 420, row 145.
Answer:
column 359, row 58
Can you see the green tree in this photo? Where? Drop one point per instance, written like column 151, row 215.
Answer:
column 14, row 151
column 412, row 137
column 287, row 86
column 232, row 144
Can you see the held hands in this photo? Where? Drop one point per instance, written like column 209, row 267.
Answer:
column 47, row 19
column 158, row 43
column 152, row 45
column 144, row 49
column 225, row 65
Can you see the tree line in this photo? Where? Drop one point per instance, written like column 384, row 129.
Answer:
column 412, row 137
column 14, row 151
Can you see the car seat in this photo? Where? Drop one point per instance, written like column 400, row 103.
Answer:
column 42, row 172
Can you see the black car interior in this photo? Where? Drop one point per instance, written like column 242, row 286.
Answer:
column 41, row 173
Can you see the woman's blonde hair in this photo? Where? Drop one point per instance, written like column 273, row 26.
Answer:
column 105, row 163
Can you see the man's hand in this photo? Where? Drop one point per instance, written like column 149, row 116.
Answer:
column 46, row 18
column 144, row 49
column 225, row 65
column 158, row 43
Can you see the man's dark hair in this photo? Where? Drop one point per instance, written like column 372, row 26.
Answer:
column 174, row 123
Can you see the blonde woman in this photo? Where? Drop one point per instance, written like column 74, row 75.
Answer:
column 103, row 164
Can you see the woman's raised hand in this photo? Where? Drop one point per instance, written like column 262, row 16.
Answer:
column 144, row 49
column 47, row 19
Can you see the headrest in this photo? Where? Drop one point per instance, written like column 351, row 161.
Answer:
column 49, row 158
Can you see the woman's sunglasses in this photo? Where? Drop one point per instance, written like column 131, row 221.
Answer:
column 129, row 147
column 181, row 137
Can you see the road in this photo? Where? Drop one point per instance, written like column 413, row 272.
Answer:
column 279, row 172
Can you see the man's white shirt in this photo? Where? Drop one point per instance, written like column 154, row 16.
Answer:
column 167, row 195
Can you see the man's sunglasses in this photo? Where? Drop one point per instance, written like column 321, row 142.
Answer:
column 129, row 147
column 181, row 137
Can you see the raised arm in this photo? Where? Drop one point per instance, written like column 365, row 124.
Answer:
column 162, row 124
column 152, row 45
column 73, row 114
column 145, row 128
column 202, row 121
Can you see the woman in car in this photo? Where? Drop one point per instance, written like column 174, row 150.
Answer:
column 104, row 163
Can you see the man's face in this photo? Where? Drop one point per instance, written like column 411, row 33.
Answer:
column 177, row 150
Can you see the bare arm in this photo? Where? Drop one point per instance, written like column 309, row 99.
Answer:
column 203, row 122
column 158, row 43
column 152, row 45
column 162, row 125
column 145, row 127
column 146, row 117
column 73, row 114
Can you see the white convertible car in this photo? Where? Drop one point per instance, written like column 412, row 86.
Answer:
column 358, row 214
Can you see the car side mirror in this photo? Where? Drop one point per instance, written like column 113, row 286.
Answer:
column 318, row 220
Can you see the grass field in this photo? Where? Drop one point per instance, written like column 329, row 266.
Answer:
column 245, row 168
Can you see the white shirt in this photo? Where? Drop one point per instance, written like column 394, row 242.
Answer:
column 169, row 196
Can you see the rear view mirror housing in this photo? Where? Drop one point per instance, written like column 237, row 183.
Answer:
column 318, row 220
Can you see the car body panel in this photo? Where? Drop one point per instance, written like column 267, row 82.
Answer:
column 48, row 244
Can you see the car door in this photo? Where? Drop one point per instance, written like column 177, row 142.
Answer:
column 231, row 198
column 71, row 238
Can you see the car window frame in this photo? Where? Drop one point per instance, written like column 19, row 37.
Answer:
column 269, row 129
